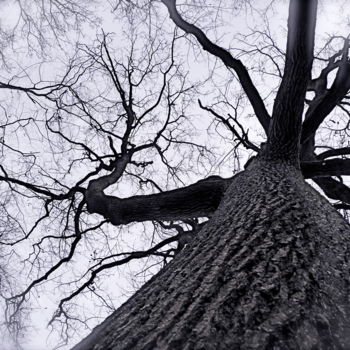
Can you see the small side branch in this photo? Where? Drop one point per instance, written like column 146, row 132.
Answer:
column 109, row 263
column 242, row 138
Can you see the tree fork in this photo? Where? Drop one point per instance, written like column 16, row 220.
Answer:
column 270, row 271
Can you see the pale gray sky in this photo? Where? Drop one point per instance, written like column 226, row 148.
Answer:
column 331, row 12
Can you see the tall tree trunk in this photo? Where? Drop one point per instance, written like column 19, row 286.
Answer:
column 270, row 271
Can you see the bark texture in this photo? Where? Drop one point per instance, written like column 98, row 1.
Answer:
column 270, row 271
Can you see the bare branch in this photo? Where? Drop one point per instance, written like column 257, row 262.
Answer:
column 242, row 138
column 17, row 300
column 101, row 266
column 334, row 152
column 231, row 62
column 325, row 102
column 40, row 189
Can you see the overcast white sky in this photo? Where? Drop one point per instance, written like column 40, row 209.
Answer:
column 328, row 22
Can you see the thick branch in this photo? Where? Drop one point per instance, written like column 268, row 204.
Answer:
column 334, row 189
column 94, row 196
column 334, row 95
column 284, row 133
column 227, row 59
column 198, row 200
column 324, row 104
column 319, row 84
column 325, row 168
column 334, row 152
column 103, row 182
column 321, row 170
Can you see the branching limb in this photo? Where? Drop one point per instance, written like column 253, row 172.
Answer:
column 184, row 236
column 96, row 200
column 40, row 189
column 334, row 152
column 334, row 189
column 325, row 168
column 102, row 265
column 321, row 170
column 323, row 104
column 230, row 62
column 15, row 302
column 242, row 138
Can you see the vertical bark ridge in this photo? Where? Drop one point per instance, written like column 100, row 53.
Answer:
column 270, row 271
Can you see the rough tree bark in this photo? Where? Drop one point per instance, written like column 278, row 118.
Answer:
column 270, row 271
column 271, row 268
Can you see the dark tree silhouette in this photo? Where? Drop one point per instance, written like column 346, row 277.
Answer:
column 269, row 268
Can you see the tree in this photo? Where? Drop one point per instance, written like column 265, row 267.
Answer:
column 269, row 269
